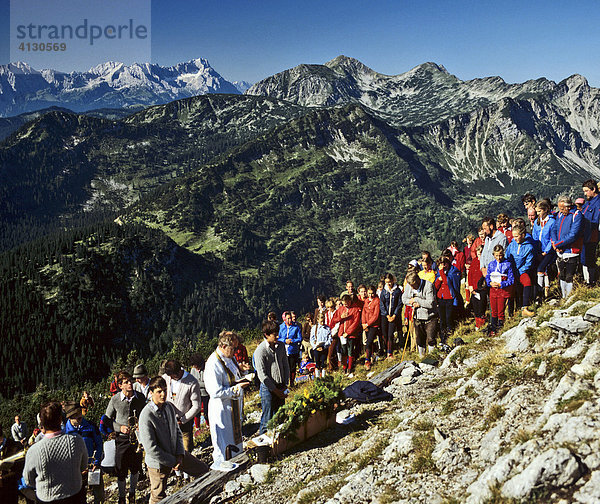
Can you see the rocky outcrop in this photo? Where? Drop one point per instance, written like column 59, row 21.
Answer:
column 516, row 418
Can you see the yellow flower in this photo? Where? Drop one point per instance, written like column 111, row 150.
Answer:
column 306, row 393
column 313, row 411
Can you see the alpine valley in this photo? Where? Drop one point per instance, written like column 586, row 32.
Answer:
column 125, row 229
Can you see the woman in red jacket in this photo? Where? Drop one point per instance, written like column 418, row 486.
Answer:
column 350, row 329
column 370, row 322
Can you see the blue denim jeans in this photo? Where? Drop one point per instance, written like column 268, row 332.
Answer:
column 270, row 403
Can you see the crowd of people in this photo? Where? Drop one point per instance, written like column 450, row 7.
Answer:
column 508, row 266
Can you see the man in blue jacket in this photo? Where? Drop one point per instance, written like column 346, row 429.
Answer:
column 567, row 240
column 591, row 216
column 291, row 334
column 76, row 424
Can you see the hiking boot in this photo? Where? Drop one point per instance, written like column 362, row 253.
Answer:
column 525, row 312
column 367, row 365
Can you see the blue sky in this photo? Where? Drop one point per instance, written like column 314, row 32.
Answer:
column 246, row 40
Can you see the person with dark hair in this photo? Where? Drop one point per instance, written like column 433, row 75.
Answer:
column 320, row 339
column 183, row 390
column 321, row 308
column 500, row 279
column 591, row 217
column 307, row 325
column 458, row 258
column 348, row 316
column 53, row 465
column 567, row 240
column 528, row 200
column 541, row 233
column 521, row 254
column 76, row 424
column 197, row 363
column 273, row 371
column 19, row 431
column 272, row 316
column 225, row 385
column 390, row 307
column 350, row 290
column 478, row 288
column 162, row 440
column 419, row 294
column 503, row 223
column 447, row 285
column 124, row 410
column 493, row 237
column 371, row 320
column 291, row 335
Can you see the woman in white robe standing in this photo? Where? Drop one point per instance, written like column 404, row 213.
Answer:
column 226, row 404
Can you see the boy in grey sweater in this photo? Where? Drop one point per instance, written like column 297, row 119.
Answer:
column 271, row 364
column 162, row 440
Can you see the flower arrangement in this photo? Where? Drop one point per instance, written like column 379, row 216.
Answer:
column 323, row 394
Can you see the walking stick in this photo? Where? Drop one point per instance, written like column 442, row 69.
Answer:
column 404, row 351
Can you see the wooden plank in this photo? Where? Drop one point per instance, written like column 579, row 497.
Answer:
column 203, row 488
column 384, row 378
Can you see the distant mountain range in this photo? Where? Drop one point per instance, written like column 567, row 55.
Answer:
column 261, row 201
column 110, row 85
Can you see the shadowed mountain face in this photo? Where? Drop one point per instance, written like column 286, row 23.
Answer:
column 258, row 203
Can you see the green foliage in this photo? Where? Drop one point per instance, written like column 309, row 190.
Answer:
column 423, row 446
column 321, row 395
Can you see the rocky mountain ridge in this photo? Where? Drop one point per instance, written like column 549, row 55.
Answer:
column 505, row 420
column 108, row 85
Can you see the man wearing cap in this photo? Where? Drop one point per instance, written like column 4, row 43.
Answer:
column 163, row 442
column 76, row 424
column 142, row 381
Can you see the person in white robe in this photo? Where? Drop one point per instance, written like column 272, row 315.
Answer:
column 221, row 377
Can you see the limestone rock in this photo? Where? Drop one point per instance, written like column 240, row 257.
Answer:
column 593, row 314
column 411, row 370
column 516, row 338
column 449, row 456
column 245, row 479
column 577, row 429
column 590, row 362
column 572, row 325
column 232, row 487
column 554, row 467
column 480, row 491
column 541, row 371
column 491, row 443
column 448, row 360
column 401, row 445
column 260, row 472
column 590, row 492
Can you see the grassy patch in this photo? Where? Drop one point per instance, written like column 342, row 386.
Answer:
column 509, row 373
column 488, row 364
column 449, row 406
column 495, row 413
column 523, row 436
column 542, row 335
column 423, row 446
column 575, row 402
column 325, row 492
column 460, row 355
column 423, row 425
column 558, row 365
column 442, row 395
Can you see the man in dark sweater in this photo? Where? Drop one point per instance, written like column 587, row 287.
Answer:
column 124, row 409
column 273, row 370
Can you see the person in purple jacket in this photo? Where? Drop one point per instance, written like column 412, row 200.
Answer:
column 591, row 216
column 500, row 278
column 567, row 240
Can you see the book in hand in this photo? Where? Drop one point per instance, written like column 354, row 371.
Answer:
column 246, row 378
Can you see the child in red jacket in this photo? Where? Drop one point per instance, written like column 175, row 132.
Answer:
column 350, row 329
column 370, row 322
